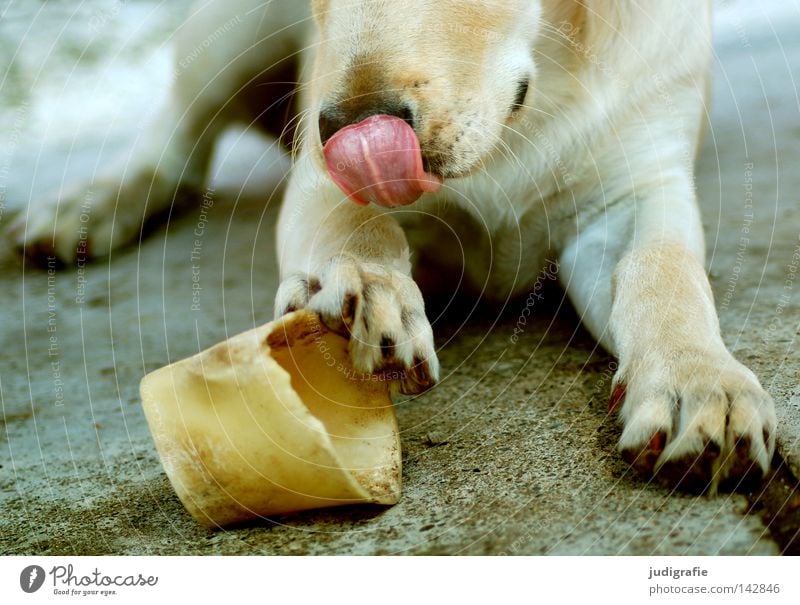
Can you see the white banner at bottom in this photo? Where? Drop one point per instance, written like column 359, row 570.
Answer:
column 354, row 580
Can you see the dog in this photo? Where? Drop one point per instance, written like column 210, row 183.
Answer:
column 531, row 129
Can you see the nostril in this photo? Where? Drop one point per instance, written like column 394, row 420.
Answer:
column 334, row 118
column 404, row 113
column 328, row 125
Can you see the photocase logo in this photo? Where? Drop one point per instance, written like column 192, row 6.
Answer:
column 31, row 578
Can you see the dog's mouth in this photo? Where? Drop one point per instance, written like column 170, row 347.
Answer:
column 379, row 160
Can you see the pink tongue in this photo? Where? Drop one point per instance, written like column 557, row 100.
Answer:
column 378, row 160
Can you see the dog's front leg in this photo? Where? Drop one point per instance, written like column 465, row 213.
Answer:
column 351, row 265
column 692, row 414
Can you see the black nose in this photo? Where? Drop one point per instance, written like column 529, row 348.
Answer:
column 334, row 117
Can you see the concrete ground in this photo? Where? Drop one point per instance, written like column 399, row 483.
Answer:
column 513, row 452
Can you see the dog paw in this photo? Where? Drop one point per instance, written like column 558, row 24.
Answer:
column 380, row 309
column 88, row 220
column 68, row 226
column 695, row 421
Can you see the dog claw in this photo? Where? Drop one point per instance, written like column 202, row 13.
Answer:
column 696, row 473
column 617, row 397
column 644, row 460
column 417, row 378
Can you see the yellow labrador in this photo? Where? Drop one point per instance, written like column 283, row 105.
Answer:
column 535, row 129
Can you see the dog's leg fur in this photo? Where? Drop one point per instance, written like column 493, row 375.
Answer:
column 691, row 412
column 351, row 264
column 221, row 47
